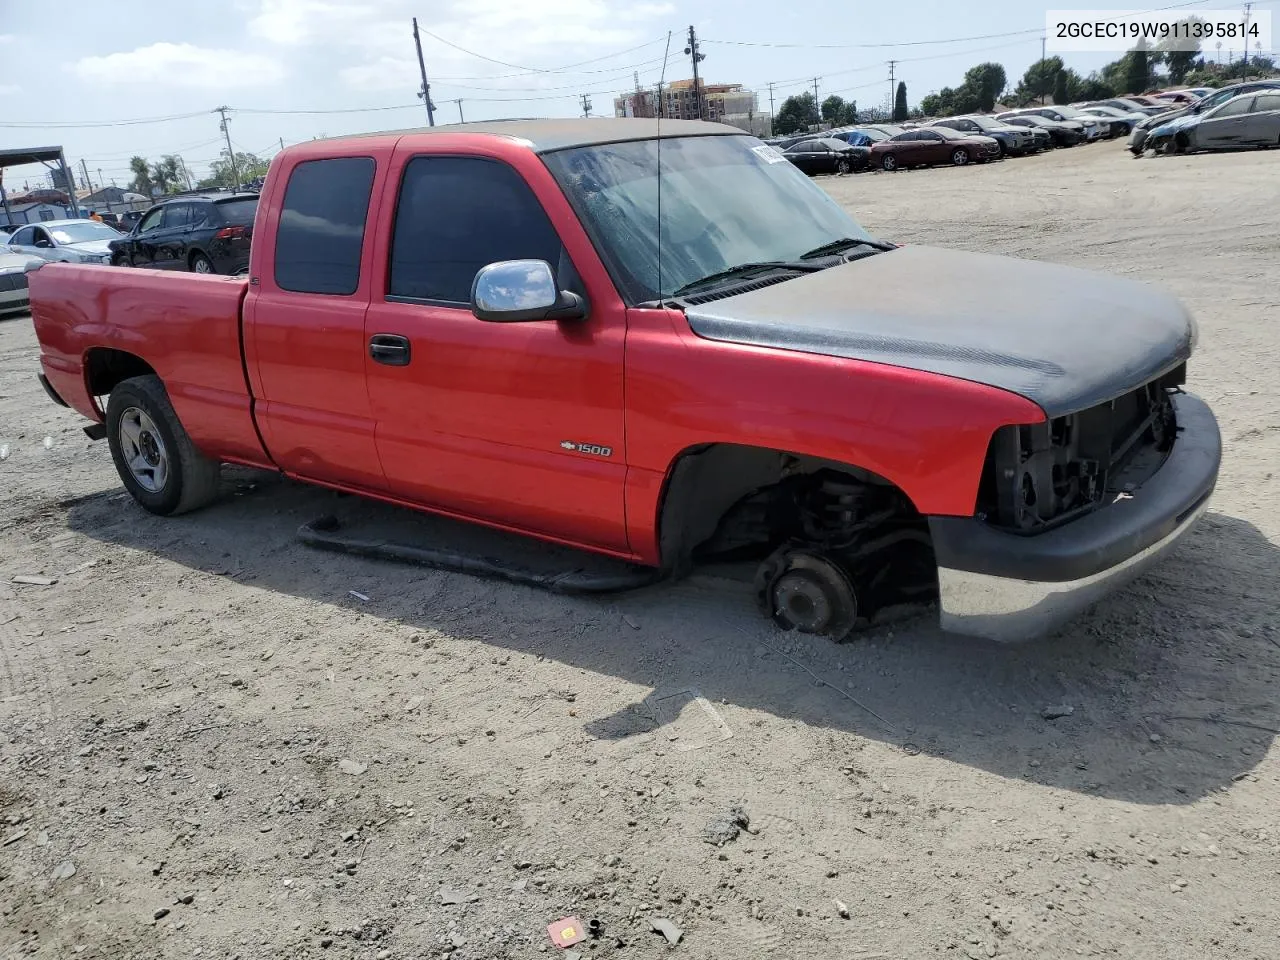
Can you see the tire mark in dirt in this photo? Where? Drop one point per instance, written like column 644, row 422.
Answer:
column 31, row 671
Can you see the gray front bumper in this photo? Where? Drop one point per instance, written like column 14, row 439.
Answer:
column 1009, row 587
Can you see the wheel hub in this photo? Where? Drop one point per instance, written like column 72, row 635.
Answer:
column 807, row 592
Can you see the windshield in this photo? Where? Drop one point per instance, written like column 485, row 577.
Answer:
column 82, row 232
column 948, row 133
column 726, row 201
column 875, row 136
column 986, row 123
column 892, row 131
column 1072, row 112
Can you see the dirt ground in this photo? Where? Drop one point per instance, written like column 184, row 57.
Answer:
column 210, row 747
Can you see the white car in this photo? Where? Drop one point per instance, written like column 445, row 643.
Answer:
column 68, row 241
column 13, row 281
column 1122, row 121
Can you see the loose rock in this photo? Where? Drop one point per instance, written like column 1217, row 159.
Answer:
column 351, row 768
column 723, row 829
column 1054, row 713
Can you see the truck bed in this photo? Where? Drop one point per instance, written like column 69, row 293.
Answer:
column 184, row 326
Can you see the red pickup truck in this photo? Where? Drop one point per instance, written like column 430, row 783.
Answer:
column 666, row 345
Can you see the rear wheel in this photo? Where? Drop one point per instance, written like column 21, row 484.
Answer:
column 201, row 264
column 960, row 156
column 889, row 162
column 156, row 460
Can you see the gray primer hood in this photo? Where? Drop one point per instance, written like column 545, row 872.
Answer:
column 1064, row 338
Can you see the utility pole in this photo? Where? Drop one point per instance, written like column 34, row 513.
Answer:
column 425, row 92
column 1244, row 73
column 771, row 111
column 84, row 170
column 231, row 154
column 1043, row 40
column 695, row 57
column 892, row 64
column 103, row 185
column 460, row 117
column 586, row 105
column 817, row 107
column 282, row 143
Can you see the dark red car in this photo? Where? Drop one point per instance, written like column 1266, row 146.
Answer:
column 932, row 145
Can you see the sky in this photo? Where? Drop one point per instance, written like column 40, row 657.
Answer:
column 291, row 70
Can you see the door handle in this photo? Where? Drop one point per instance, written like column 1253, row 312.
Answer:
column 389, row 348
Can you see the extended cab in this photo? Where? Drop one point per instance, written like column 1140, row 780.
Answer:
column 522, row 324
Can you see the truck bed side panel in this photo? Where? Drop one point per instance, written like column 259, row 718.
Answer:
column 185, row 326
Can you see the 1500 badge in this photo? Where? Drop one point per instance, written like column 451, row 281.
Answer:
column 590, row 449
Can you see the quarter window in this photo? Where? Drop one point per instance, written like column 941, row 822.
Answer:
column 321, row 232
column 456, row 215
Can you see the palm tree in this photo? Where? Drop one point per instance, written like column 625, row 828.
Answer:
column 142, row 182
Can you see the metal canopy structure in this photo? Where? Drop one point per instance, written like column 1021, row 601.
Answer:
column 43, row 155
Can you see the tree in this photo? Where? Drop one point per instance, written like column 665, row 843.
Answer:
column 167, row 174
column 931, row 105
column 900, row 110
column 985, row 83
column 833, row 109
column 1137, row 72
column 1179, row 62
column 1093, row 87
column 141, row 176
column 795, row 114
column 248, row 167
column 1061, row 93
column 1037, row 82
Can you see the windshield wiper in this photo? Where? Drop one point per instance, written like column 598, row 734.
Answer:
column 835, row 246
column 744, row 268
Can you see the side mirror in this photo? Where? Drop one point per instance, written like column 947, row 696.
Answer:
column 519, row 291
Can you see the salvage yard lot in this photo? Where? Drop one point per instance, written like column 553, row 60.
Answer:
column 202, row 708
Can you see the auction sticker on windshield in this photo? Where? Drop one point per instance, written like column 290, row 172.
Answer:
column 769, row 154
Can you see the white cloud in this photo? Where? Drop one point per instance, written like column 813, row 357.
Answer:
column 182, row 64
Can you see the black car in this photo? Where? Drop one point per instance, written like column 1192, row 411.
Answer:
column 1063, row 134
column 828, row 155
column 199, row 234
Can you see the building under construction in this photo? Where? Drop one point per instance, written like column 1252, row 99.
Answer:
column 679, row 100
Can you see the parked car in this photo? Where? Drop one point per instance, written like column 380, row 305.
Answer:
column 1094, row 128
column 933, row 145
column 1121, row 123
column 1127, row 105
column 13, row 281
column 1014, row 141
column 858, row 138
column 447, row 319
column 1066, row 134
column 880, row 131
column 69, row 241
column 828, row 155
column 1138, row 138
column 200, row 234
column 1248, row 120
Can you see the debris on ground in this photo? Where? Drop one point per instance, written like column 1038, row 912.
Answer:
column 351, row 768
column 1055, row 713
column 64, row 871
column 566, row 931
column 723, row 829
column 31, row 580
column 668, row 929
column 449, row 898
column 358, row 595
column 842, row 909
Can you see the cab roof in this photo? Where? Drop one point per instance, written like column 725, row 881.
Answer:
column 546, row 136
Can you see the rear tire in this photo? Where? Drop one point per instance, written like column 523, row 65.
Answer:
column 201, row 264
column 156, row 460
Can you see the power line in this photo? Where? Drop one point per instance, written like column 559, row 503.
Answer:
column 567, row 68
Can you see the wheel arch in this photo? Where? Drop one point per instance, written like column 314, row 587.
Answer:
column 106, row 367
column 704, row 481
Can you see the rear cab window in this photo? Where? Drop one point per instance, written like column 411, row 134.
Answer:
column 320, row 236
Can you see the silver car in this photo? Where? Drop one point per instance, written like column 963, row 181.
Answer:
column 13, row 281
column 68, row 241
column 1249, row 120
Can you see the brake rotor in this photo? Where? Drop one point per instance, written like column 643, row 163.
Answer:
column 807, row 592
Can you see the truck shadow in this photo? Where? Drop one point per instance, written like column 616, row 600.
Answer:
column 1170, row 683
